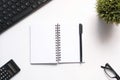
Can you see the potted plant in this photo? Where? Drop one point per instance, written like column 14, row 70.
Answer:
column 109, row 10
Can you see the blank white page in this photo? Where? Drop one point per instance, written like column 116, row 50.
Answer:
column 70, row 43
column 43, row 44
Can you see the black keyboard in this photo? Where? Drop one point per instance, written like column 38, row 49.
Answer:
column 12, row 11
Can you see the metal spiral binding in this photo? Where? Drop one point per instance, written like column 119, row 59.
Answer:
column 58, row 43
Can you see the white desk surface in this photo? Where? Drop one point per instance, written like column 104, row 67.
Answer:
column 101, row 43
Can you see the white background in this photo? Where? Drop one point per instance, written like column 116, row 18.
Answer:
column 100, row 43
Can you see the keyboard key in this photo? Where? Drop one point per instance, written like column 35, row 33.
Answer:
column 34, row 5
column 19, row 9
column 14, row 12
column 27, row 3
column 23, row 6
column 5, row 12
column 5, row 6
column 39, row 2
column 18, row 3
column 9, row 2
column 5, row 18
column 10, row 14
column 13, row 6
column 9, row 23
column 9, row 9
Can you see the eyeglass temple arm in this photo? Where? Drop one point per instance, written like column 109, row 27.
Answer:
column 104, row 67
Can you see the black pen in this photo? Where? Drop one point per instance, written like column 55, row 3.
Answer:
column 80, row 42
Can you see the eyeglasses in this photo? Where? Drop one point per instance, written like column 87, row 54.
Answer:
column 110, row 72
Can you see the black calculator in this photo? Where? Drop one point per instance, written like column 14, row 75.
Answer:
column 9, row 70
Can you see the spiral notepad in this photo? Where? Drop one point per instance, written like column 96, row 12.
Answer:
column 55, row 44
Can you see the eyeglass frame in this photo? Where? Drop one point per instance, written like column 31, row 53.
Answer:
column 107, row 66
